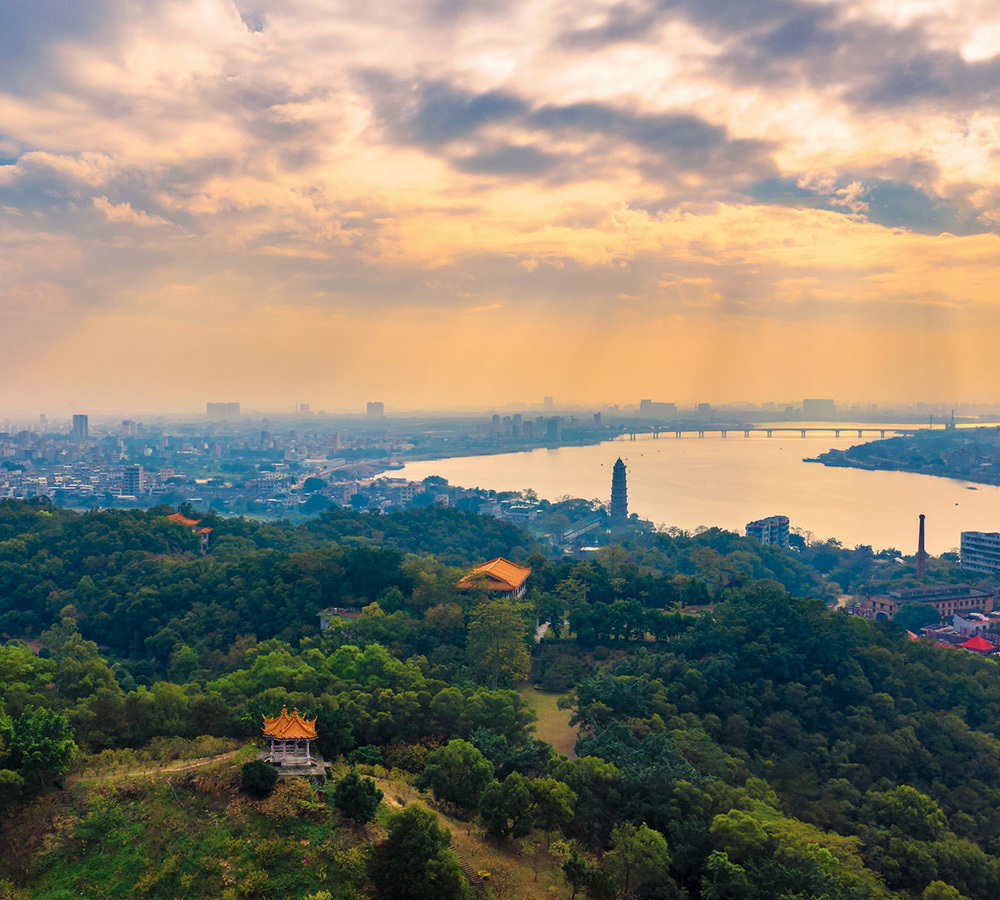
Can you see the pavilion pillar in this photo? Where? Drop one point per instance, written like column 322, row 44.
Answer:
column 272, row 748
column 284, row 745
column 308, row 757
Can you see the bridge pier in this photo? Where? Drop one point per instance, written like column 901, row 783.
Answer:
column 678, row 434
column 836, row 432
column 724, row 432
column 883, row 432
column 861, row 432
column 803, row 432
column 746, row 432
column 701, row 434
column 768, row 432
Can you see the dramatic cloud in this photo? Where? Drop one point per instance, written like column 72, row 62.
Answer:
column 285, row 196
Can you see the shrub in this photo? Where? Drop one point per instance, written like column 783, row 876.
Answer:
column 257, row 778
column 356, row 797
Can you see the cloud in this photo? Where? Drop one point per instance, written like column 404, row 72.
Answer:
column 123, row 213
column 771, row 161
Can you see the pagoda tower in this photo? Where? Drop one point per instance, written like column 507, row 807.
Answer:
column 619, row 494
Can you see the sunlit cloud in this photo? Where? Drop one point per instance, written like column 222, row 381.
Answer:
column 269, row 176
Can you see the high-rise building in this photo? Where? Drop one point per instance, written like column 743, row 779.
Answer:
column 128, row 427
column 222, row 412
column 305, row 409
column 81, row 428
column 619, row 494
column 553, row 429
column 376, row 410
column 132, row 481
column 547, row 403
column 981, row 551
column 597, row 420
column 772, row 530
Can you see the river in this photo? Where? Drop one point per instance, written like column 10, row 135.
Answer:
column 692, row 481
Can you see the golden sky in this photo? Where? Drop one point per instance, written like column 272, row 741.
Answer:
column 451, row 202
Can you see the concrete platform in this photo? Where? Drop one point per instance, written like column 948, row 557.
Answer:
column 315, row 769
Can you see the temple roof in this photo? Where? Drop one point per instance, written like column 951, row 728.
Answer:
column 289, row 727
column 183, row 520
column 501, row 575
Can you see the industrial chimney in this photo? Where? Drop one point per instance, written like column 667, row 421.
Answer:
column 921, row 553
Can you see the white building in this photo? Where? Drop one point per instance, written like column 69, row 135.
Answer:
column 772, row 530
column 981, row 551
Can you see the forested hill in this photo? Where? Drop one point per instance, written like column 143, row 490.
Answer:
column 736, row 742
column 892, row 743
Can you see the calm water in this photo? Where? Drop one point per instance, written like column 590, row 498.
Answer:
column 728, row 482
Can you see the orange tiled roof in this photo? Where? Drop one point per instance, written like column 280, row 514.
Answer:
column 183, row 520
column 289, row 727
column 501, row 575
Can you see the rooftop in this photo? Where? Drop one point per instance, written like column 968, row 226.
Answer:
column 289, row 727
column 501, row 575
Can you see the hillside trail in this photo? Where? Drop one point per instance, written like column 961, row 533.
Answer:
column 178, row 765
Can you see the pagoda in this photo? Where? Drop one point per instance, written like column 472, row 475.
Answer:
column 290, row 731
column 619, row 494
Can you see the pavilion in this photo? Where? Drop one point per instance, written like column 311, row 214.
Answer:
column 979, row 645
column 290, row 731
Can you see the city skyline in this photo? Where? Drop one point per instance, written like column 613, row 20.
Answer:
column 628, row 199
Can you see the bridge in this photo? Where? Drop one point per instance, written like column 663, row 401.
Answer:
column 746, row 430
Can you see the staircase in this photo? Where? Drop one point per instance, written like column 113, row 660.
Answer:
column 475, row 879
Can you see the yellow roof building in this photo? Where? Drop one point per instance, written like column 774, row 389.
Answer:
column 501, row 575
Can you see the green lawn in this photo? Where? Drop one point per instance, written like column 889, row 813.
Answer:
column 553, row 723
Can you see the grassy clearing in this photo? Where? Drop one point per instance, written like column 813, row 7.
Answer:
column 553, row 723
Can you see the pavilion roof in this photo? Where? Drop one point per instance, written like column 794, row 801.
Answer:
column 183, row 520
column 289, row 727
column 501, row 575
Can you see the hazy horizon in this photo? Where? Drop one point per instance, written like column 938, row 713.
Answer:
column 450, row 204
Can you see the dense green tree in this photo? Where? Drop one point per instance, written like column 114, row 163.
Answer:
column 414, row 862
column 258, row 778
column 505, row 806
column 457, row 772
column 638, row 861
column 334, row 733
column 552, row 803
column 579, row 872
column 41, row 745
column 497, row 642
column 356, row 797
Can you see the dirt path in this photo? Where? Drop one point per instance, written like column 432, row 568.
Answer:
column 178, row 765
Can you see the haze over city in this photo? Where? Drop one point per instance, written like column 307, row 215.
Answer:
column 465, row 204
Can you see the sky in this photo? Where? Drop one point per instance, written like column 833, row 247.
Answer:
column 437, row 203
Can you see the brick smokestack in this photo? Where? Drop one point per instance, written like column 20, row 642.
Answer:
column 921, row 553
